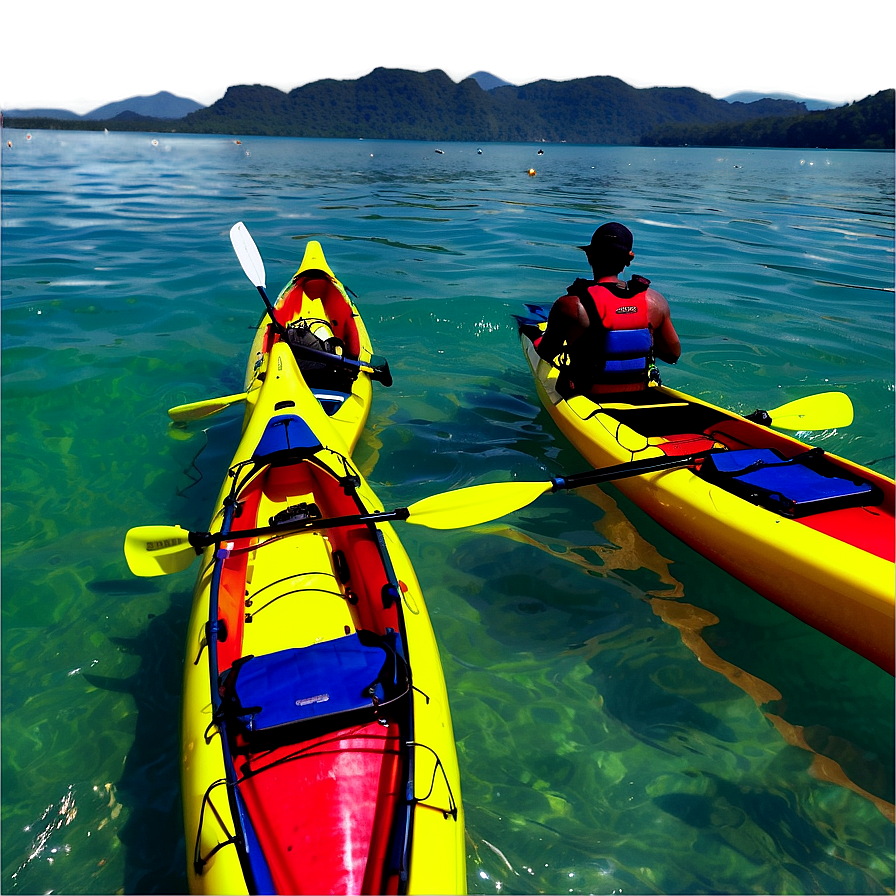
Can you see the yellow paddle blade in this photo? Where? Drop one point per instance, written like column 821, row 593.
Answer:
column 197, row 410
column 476, row 504
column 827, row 410
column 158, row 550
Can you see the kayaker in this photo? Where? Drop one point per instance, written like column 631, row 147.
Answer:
column 609, row 331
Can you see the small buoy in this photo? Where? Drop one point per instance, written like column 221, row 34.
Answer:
column 238, row 142
column 27, row 136
column 531, row 172
column 155, row 142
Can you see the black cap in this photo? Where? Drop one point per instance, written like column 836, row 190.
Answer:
column 611, row 236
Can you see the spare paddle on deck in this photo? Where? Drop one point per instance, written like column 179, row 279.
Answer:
column 250, row 260
column 160, row 550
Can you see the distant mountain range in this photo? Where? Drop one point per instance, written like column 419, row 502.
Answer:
column 488, row 81
column 162, row 105
column 168, row 106
column 811, row 105
column 395, row 104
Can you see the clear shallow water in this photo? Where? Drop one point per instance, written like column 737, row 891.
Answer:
column 629, row 718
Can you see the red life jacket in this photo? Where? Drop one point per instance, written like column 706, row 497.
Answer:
column 615, row 353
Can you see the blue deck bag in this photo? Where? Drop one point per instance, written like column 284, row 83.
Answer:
column 333, row 683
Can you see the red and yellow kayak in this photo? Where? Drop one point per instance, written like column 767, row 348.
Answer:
column 317, row 748
column 814, row 534
column 319, row 314
column 318, row 753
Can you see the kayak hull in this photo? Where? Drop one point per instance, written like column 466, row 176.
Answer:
column 807, row 566
column 334, row 788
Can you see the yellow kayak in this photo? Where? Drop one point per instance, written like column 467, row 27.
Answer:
column 318, row 752
column 810, row 531
column 317, row 749
column 330, row 342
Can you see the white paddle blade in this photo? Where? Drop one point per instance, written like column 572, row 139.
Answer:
column 476, row 504
column 248, row 254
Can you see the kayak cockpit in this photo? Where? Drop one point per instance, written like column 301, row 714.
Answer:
column 759, row 465
column 313, row 683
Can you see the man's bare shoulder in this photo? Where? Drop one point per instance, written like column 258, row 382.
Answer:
column 568, row 306
column 657, row 300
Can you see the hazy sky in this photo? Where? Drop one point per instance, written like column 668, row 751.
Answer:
column 81, row 55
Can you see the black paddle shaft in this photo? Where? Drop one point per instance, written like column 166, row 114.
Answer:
column 267, row 304
column 622, row 471
column 381, row 373
column 201, row 540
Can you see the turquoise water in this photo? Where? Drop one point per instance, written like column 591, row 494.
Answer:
column 629, row 719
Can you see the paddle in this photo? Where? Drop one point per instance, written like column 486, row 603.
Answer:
column 159, row 550
column 827, row 410
column 197, row 410
column 250, row 259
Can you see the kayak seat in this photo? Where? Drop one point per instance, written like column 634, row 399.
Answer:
column 687, row 443
column 316, row 285
column 302, row 692
column 796, row 487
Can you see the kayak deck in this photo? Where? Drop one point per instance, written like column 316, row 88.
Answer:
column 348, row 784
column 680, row 428
column 315, row 767
column 828, row 562
column 322, row 808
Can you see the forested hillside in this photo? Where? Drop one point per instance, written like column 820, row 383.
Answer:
column 866, row 124
column 394, row 104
